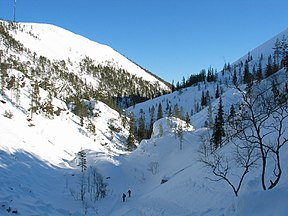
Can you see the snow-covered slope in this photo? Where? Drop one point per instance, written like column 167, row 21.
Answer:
column 188, row 99
column 39, row 160
column 54, row 42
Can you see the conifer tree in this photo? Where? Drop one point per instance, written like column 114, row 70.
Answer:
column 218, row 129
column 217, row 93
column 232, row 115
column 132, row 129
column 187, row 119
column 285, row 61
column 152, row 119
column 4, row 76
column 234, row 80
column 35, row 98
column 247, row 74
column 269, row 67
column 203, row 99
column 82, row 160
column 176, row 111
column 259, row 75
column 209, row 117
column 159, row 112
column 142, row 128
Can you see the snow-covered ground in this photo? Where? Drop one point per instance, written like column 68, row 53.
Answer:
column 39, row 164
column 56, row 43
column 39, row 173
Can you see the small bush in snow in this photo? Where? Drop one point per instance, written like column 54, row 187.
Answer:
column 153, row 167
column 8, row 114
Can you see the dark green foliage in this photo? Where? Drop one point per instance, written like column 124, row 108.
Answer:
column 217, row 93
column 211, row 75
column 248, row 77
column 187, row 119
column 218, row 129
column 142, row 133
column 232, row 114
column 82, row 162
column 159, row 112
column 269, row 67
column 285, row 62
column 132, row 132
column 235, row 80
column 35, row 97
column 152, row 120
column 259, row 74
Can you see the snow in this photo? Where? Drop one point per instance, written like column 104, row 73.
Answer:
column 38, row 164
column 56, row 43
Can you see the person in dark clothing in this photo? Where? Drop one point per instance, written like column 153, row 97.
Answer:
column 129, row 193
column 123, row 197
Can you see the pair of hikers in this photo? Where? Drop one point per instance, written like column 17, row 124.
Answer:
column 124, row 195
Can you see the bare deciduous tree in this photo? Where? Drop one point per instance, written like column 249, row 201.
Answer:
column 263, row 122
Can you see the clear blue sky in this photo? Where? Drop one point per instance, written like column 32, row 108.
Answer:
column 171, row 38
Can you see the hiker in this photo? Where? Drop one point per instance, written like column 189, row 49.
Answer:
column 129, row 193
column 123, row 197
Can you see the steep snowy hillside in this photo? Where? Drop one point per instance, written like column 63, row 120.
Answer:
column 75, row 65
column 188, row 101
column 54, row 42
column 39, row 152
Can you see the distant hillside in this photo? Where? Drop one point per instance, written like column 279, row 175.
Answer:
column 76, row 66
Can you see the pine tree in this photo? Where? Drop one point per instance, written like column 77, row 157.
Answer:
column 209, row 117
column 203, row 100
column 132, row 129
column 187, row 119
column 232, row 114
column 142, row 128
column 259, row 75
column 217, row 93
column 247, row 74
column 218, row 129
column 82, row 160
column 176, row 111
column 159, row 112
column 152, row 119
column 234, row 80
column 48, row 106
column 4, row 75
column 277, row 52
column 285, row 61
column 269, row 67
column 35, row 98
column 207, row 97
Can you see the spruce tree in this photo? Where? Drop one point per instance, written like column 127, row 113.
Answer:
column 142, row 128
column 247, row 74
column 132, row 129
column 4, row 76
column 217, row 93
column 35, row 98
column 152, row 119
column 82, row 160
column 259, row 75
column 209, row 117
column 269, row 67
column 234, row 79
column 218, row 129
column 159, row 112
column 232, row 115
column 187, row 119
